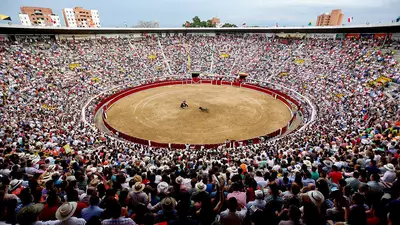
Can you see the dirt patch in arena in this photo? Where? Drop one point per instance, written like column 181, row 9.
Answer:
column 234, row 113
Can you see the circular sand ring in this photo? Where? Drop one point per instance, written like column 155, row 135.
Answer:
column 111, row 100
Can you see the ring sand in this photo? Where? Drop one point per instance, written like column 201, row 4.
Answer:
column 234, row 113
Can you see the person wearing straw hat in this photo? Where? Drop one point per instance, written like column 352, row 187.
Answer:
column 167, row 211
column 137, row 194
column 162, row 187
column 200, row 187
column 65, row 214
column 390, row 175
column 15, row 186
column 29, row 214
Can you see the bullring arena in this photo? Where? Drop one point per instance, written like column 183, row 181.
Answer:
column 234, row 113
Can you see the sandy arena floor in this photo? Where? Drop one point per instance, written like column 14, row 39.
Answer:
column 234, row 114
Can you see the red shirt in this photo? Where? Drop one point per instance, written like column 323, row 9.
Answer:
column 373, row 221
column 79, row 208
column 48, row 213
column 335, row 176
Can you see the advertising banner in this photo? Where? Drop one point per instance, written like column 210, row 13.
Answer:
column 380, row 36
column 340, row 36
column 354, row 35
column 367, row 36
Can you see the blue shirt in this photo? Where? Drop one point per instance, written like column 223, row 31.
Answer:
column 91, row 211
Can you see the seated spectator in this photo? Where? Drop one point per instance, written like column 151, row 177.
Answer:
column 93, row 209
column 65, row 215
column 50, row 208
column 114, row 214
column 28, row 215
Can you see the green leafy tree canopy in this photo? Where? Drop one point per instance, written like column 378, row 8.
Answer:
column 197, row 22
column 229, row 25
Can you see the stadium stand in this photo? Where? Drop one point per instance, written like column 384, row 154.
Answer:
column 57, row 168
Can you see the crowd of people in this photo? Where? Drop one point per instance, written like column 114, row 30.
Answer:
column 343, row 168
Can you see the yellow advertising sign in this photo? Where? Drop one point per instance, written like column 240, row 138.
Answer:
column 224, row 55
column 152, row 57
column 49, row 107
column 282, row 74
column 72, row 66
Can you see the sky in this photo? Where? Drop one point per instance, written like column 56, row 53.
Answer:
column 174, row 13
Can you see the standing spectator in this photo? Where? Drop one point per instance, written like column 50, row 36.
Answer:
column 235, row 213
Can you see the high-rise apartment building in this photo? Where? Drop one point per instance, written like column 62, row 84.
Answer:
column 334, row 18
column 80, row 17
column 38, row 16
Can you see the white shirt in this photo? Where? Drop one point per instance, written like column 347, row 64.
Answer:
column 70, row 221
column 233, row 218
column 389, row 176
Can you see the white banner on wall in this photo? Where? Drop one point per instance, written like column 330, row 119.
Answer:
column 321, row 36
column 396, row 36
column 75, row 37
column 202, row 34
column 291, row 35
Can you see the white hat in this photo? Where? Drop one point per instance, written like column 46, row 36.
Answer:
column 179, row 180
column 14, row 184
column 66, row 210
column 297, row 167
column 71, row 178
column 259, row 194
column 328, row 163
column 138, row 187
column 389, row 167
column 162, row 187
column 307, row 163
column 316, row 197
column 201, row 187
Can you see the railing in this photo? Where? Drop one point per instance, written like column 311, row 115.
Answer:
column 107, row 102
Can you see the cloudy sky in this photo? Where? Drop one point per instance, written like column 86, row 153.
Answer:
column 173, row 13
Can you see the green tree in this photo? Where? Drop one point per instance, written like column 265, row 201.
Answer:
column 229, row 25
column 197, row 22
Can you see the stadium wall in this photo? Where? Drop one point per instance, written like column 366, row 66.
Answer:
column 19, row 32
column 107, row 102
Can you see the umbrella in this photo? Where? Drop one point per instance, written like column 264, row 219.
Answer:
column 4, row 17
column 398, row 19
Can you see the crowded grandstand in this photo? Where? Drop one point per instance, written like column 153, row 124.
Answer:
column 341, row 166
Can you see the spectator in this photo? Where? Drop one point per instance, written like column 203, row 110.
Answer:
column 93, row 209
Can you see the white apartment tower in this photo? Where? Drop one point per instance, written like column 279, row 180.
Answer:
column 80, row 17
